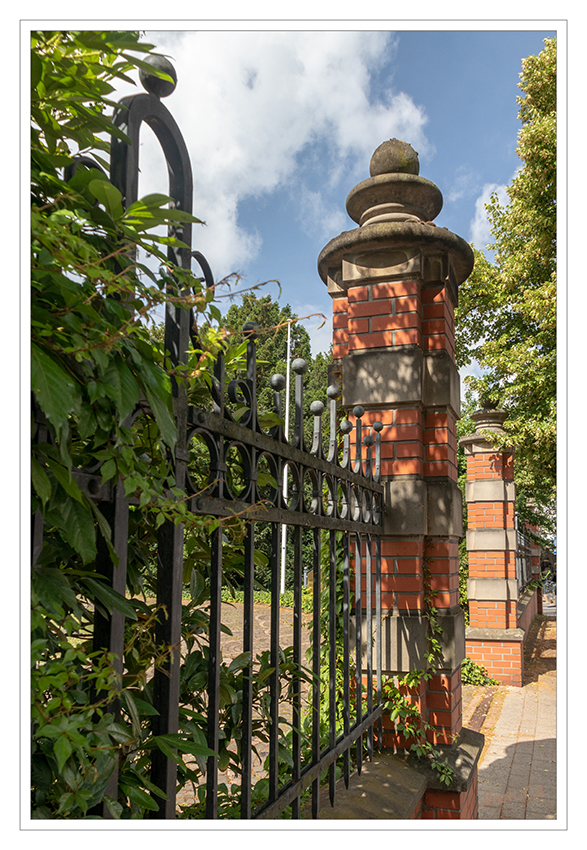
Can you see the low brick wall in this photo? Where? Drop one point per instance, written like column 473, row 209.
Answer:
column 501, row 651
column 528, row 610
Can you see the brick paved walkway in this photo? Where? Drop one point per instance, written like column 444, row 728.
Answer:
column 517, row 769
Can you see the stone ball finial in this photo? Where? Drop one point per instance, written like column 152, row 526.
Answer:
column 155, row 85
column 488, row 403
column 394, row 157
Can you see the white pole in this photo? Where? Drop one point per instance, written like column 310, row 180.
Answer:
column 284, row 527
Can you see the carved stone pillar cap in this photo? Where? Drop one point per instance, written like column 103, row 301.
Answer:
column 486, row 419
column 489, row 419
column 394, row 192
column 394, row 209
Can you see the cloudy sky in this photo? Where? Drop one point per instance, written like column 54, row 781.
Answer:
column 281, row 124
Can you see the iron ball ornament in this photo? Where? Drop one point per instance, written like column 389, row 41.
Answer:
column 156, row 85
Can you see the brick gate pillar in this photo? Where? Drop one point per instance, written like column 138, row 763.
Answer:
column 493, row 638
column 394, row 282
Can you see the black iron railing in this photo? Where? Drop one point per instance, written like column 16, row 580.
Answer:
column 523, row 554
column 337, row 498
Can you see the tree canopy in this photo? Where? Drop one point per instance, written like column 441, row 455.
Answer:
column 506, row 319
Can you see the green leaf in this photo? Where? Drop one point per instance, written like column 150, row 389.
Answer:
column 178, row 743
column 153, row 201
column 122, row 385
column 113, row 807
column 144, row 708
column 77, row 526
column 240, row 662
column 140, row 797
column 110, row 598
column 223, row 760
column 62, row 749
column 54, row 388
column 159, row 396
column 128, row 700
column 40, row 481
column 107, row 195
column 66, row 480
column 53, row 589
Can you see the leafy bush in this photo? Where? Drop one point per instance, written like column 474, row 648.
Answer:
column 475, row 674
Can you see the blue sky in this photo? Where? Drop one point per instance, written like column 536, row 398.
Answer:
column 281, row 124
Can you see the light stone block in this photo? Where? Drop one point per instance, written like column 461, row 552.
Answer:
column 406, row 507
column 490, row 491
column 382, row 377
column 404, row 641
column 491, row 540
column 441, row 382
column 492, row 589
column 445, row 509
column 377, row 265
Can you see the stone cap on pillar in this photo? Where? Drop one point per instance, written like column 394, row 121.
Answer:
column 394, row 192
column 487, row 418
column 394, row 209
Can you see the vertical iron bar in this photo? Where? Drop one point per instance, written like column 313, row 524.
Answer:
column 379, row 626
column 166, row 678
column 124, row 170
column 299, row 367
column 214, row 672
column 332, row 662
column 109, row 630
column 297, row 657
column 219, row 385
column 346, row 606
column 247, row 720
column 316, row 647
column 170, row 542
column 369, row 637
column 274, row 678
column 358, row 411
column 358, row 647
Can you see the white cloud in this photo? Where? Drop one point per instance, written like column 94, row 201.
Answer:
column 465, row 183
column 480, row 233
column 316, row 216
column 251, row 105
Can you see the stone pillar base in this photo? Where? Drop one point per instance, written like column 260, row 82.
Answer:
column 394, row 788
column 459, row 800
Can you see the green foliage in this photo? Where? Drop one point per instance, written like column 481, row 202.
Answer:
column 475, row 674
column 409, row 723
column 506, row 319
column 263, row 597
column 102, row 394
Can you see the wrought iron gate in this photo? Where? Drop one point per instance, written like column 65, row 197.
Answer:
column 329, row 495
column 334, row 494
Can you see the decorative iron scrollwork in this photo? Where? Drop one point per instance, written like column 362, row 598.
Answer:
column 335, row 487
